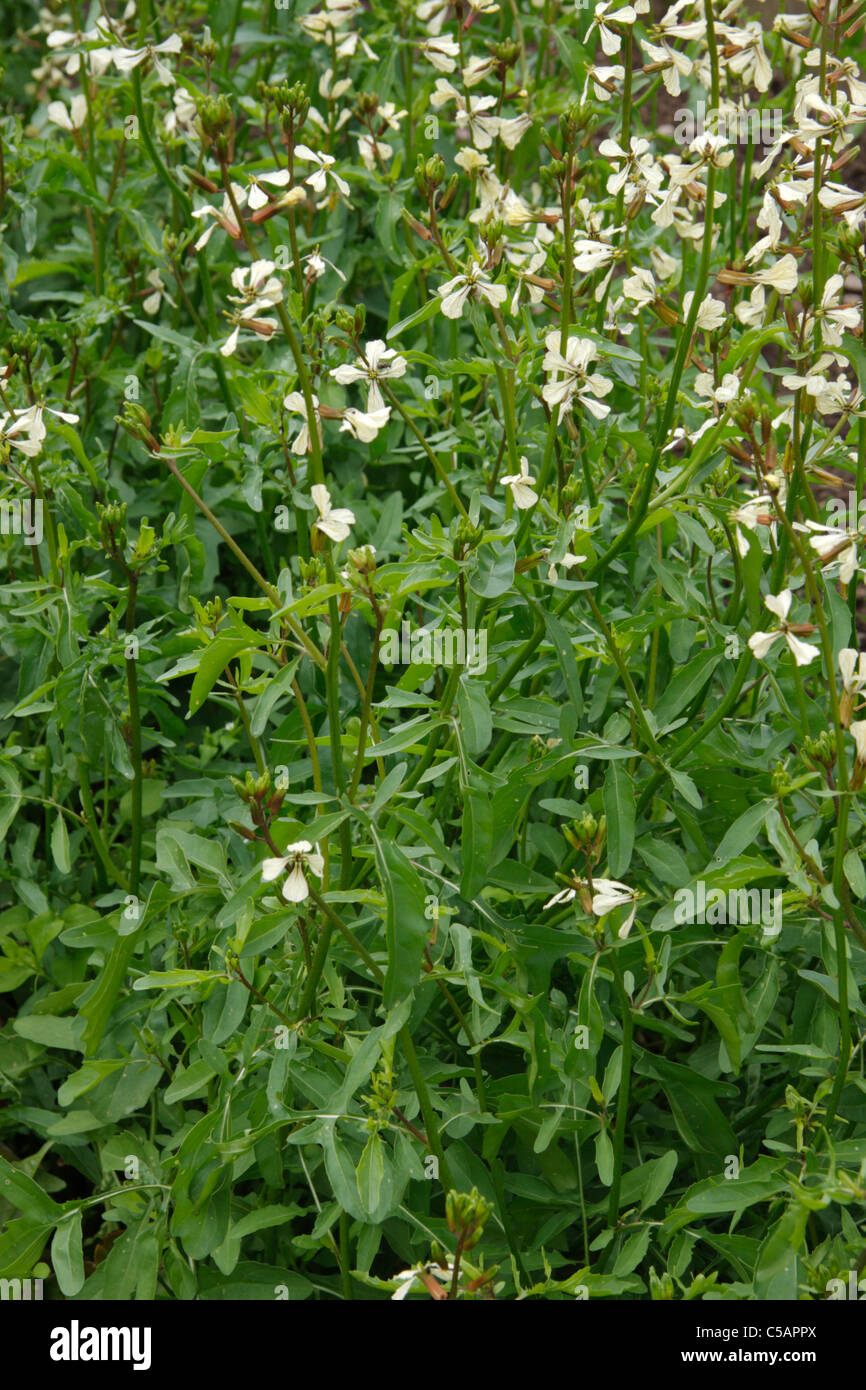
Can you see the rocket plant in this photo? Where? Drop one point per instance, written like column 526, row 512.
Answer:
column 330, row 975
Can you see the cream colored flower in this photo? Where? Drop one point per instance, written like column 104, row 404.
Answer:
column 454, row 293
column 74, row 118
column 334, row 522
column 852, row 664
column 761, row 642
column 296, row 405
column 570, row 378
column 324, row 170
column 711, row 313
column 365, row 424
column 378, row 363
column 298, row 857
column 520, row 484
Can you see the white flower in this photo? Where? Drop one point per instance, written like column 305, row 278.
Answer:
column 723, row 394
column 455, row 292
column 850, row 201
column 570, row 378
column 751, row 314
column 470, row 161
column 151, row 302
column 324, row 171
column 829, row 396
column 476, row 70
column 24, row 430
column 125, row 59
column 757, row 511
column 607, row 895
column 512, row 130
column 374, row 151
column 640, row 287
column 442, row 52
column 521, row 486
column 98, row 60
column 330, row 89
column 836, row 547
column 637, row 171
column 711, row 314
column 833, row 315
column 568, row 561
column 682, row 435
column 852, row 664
column 858, row 729
column 317, row 265
column 592, row 255
column 274, row 178
column 603, row 81
column 711, row 149
column 297, row 858
column 74, row 118
column 408, row 1277
column 378, row 363
column 326, row 22
column 296, row 405
column 761, row 642
column 781, row 277
column 365, row 424
column 670, row 62
column 182, row 117
column 257, row 288
column 224, row 216
column 333, row 521
column 611, row 41
column 471, row 111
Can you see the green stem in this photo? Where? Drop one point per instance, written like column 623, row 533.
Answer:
column 134, row 742
column 93, row 829
column 430, row 1122
column 623, row 1097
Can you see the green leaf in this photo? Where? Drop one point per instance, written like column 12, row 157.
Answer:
column 67, row 1257
column 493, row 575
column 64, row 1033
column 60, row 845
column 740, row 835
column 406, row 926
column 685, row 687
column 562, row 645
column 474, row 712
column 476, row 840
column 214, row 660
column 764, row 1179
column 776, row 1267
column 619, row 808
column 413, row 320
column 692, row 1099
column 97, row 1002
column 855, row 873
column 21, row 1244
column 176, row 979
column 26, row 1195
column 371, row 1176
column 604, row 1157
